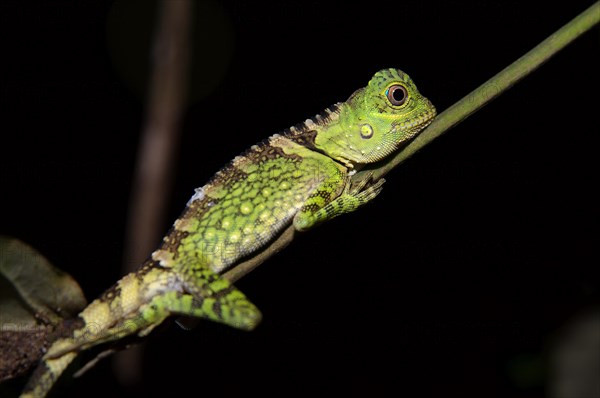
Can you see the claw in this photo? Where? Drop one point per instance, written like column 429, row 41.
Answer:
column 372, row 191
column 360, row 184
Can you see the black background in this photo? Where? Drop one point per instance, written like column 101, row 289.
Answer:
column 456, row 281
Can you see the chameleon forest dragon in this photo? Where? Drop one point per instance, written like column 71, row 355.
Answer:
column 301, row 176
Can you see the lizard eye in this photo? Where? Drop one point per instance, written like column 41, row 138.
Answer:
column 397, row 95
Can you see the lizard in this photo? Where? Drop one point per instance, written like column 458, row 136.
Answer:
column 300, row 176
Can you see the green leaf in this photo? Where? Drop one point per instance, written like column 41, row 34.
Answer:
column 49, row 293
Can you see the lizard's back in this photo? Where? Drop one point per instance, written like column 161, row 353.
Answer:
column 250, row 200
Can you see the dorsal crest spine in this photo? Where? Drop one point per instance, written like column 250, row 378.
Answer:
column 329, row 114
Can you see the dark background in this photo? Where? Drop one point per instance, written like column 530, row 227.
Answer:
column 457, row 281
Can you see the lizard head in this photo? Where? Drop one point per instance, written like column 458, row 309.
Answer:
column 377, row 119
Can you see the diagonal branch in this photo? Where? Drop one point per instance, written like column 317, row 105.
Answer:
column 452, row 116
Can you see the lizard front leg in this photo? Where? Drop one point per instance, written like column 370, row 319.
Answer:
column 324, row 203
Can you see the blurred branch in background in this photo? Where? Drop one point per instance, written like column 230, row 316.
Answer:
column 159, row 140
column 575, row 358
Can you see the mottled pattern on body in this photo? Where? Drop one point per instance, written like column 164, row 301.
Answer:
column 235, row 218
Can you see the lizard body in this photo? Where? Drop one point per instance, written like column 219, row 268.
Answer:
column 300, row 176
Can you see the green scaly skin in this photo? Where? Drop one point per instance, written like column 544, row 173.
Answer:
column 299, row 177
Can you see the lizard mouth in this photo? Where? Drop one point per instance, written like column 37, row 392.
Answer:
column 419, row 122
column 409, row 128
column 396, row 137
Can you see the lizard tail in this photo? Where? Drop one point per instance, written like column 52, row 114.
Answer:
column 45, row 375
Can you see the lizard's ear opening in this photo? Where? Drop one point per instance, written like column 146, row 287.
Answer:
column 366, row 131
